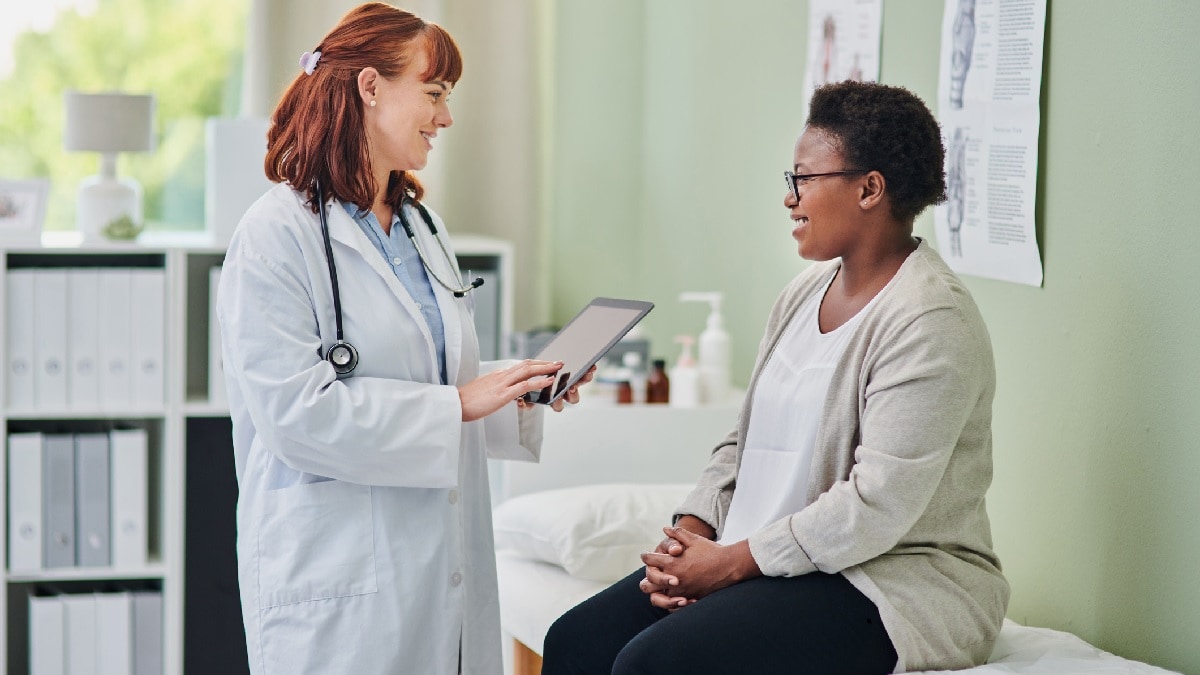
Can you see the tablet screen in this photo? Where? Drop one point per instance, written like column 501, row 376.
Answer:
column 585, row 340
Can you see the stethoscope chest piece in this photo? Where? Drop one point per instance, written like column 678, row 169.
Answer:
column 343, row 357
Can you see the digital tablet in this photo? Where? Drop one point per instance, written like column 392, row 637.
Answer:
column 585, row 340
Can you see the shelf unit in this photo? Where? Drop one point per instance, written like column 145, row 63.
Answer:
column 190, row 479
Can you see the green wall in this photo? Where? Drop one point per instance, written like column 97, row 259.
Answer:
column 669, row 125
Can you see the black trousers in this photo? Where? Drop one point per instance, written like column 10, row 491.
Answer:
column 815, row 623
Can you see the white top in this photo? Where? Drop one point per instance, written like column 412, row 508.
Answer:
column 788, row 401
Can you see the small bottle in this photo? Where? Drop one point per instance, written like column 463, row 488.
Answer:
column 685, row 377
column 624, row 392
column 658, row 385
column 637, row 375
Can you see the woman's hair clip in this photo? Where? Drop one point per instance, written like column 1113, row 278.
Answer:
column 308, row 61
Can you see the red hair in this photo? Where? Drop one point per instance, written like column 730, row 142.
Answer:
column 317, row 131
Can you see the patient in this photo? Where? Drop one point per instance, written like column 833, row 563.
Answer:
column 841, row 527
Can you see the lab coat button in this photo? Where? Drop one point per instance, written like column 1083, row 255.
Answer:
column 455, row 579
column 396, row 261
column 454, row 496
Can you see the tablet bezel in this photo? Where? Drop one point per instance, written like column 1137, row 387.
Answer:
column 545, row 396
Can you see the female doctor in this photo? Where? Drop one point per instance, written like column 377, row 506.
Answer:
column 361, row 420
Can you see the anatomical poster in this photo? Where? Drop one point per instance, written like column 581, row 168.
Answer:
column 843, row 42
column 989, row 88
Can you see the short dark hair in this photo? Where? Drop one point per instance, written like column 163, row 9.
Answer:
column 886, row 129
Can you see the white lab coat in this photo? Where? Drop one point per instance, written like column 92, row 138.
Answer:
column 364, row 520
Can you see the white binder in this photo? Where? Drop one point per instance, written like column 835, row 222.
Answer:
column 128, row 467
column 91, row 501
column 47, row 636
column 115, row 339
column 148, row 289
column 58, row 500
column 50, row 339
column 25, row 502
column 83, row 343
column 216, row 373
column 147, row 633
column 114, row 634
column 79, row 611
column 18, row 360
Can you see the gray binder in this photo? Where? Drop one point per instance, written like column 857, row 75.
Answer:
column 92, row 538
column 147, row 633
column 58, row 500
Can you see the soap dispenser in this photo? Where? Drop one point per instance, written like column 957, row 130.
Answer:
column 685, row 377
column 713, row 349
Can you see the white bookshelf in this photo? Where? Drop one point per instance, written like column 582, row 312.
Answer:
column 186, row 260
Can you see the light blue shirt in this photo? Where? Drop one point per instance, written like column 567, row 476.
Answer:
column 401, row 255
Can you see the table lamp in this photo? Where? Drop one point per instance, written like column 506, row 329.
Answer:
column 108, row 123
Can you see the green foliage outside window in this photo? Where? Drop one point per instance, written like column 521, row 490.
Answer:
column 185, row 52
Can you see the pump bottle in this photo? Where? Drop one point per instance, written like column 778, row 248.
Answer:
column 685, row 377
column 713, row 348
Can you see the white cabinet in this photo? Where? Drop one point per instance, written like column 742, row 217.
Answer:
column 189, row 485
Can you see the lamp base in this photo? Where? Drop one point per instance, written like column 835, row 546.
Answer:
column 103, row 200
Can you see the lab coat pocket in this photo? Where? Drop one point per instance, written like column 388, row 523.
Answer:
column 316, row 542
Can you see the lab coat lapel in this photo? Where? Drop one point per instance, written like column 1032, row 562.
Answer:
column 343, row 230
column 452, row 309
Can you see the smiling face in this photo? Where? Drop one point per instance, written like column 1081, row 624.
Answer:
column 407, row 116
column 826, row 216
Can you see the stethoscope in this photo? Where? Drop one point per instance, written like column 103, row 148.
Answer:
column 342, row 355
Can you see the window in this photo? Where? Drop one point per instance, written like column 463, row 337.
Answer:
column 185, row 52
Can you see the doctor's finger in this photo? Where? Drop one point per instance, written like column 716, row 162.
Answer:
column 530, row 368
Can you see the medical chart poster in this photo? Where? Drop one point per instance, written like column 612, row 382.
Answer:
column 989, row 88
column 843, row 42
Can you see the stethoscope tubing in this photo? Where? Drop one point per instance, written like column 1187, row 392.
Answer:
column 342, row 355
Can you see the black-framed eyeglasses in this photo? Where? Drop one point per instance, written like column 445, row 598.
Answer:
column 795, row 180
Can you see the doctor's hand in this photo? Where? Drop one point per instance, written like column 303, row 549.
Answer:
column 703, row 567
column 572, row 395
column 486, row 394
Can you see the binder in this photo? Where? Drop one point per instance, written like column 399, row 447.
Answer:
column 91, row 500
column 18, row 361
column 50, row 339
column 47, row 636
column 216, row 372
column 25, row 502
column 147, row 288
column 487, row 314
column 114, row 634
column 79, row 612
column 58, row 500
column 128, row 457
column 83, row 346
column 114, row 338
column 147, row 633
column 216, row 368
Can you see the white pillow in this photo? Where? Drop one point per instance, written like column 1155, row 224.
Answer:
column 594, row 532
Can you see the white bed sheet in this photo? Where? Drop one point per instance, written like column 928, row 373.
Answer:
column 533, row 594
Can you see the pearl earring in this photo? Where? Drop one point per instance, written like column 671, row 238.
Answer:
column 372, row 103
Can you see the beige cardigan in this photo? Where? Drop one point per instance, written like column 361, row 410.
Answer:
column 901, row 463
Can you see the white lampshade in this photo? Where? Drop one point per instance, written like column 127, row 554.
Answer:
column 108, row 123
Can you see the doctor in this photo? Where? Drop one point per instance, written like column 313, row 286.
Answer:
column 361, row 419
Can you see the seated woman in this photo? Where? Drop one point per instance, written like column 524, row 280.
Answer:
column 841, row 527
